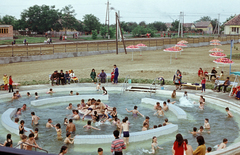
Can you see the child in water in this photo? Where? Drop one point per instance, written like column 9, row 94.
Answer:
column 59, row 131
column 174, row 94
column 206, row 124
column 89, row 126
column 50, row 91
column 28, row 94
column 201, row 106
column 159, row 112
column 35, row 133
column 36, row 95
column 65, row 121
column 194, row 133
column 104, row 91
column 229, row 114
column 98, row 88
column 135, row 112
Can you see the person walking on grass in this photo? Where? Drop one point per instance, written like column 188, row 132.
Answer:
column 10, row 84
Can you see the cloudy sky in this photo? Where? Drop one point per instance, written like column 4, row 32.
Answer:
column 135, row 10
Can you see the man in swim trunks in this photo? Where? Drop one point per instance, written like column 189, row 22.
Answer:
column 31, row 141
column 35, row 118
column 71, row 128
column 125, row 129
column 49, row 124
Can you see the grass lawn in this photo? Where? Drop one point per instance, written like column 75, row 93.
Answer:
column 20, row 40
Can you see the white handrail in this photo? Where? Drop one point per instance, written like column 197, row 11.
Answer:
column 124, row 87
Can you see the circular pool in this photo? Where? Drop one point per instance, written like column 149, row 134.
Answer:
column 221, row 127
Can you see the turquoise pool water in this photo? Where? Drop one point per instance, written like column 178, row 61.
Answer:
column 221, row 127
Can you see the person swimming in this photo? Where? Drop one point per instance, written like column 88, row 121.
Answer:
column 59, row 131
column 135, row 112
column 206, row 124
column 159, row 112
column 89, row 126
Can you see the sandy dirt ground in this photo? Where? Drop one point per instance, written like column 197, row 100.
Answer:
column 150, row 65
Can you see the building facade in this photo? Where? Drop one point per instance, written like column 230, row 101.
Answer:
column 205, row 26
column 232, row 26
column 6, row 32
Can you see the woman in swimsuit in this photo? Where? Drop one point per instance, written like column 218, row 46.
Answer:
column 21, row 128
column 155, row 145
column 63, row 150
column 89, row 126
column 135, row 112
column 59, row 131
column 18, row 112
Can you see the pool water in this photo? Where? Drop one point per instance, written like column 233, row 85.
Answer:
column 221, row 127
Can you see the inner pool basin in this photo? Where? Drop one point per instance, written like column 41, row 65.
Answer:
column 182, row 116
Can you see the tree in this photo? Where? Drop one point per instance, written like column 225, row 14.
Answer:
column 79, row 26
column 91, row 22
column 67, row 18
column 103, row 31
column 142, row 23
column 10, row 20
column 124, row 26
column 112, row 32
column 131, row 26
column 204, row 18
column 138, row 31
column 41, row 18
column 94, row 34
column 159, row 26
column 175, row 25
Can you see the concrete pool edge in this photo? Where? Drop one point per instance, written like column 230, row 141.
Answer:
column 134, row 136
column 6, row 120
column 179, row 112
column 67, row 98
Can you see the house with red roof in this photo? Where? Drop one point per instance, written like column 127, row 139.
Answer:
column 189, row 26
column 232, row 26
column 205, row 26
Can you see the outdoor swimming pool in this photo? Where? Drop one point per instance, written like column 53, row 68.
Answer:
column 221, row 127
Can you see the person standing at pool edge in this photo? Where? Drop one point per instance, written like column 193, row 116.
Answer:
column 116, row 73
column 5, row 81
column 10, row 84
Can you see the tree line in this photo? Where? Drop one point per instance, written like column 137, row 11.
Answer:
column 45, row 18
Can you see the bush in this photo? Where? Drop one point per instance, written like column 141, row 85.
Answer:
column 152, row 32
column 103, row 31
column 112, row 32
column 138, row 31
column 94, row 34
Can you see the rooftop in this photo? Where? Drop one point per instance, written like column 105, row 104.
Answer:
column 5, row 25
column 202, row 24
column 234, row 21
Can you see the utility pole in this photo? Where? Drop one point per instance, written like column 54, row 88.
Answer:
column 218, row 22
column 182, row 24
column 116, row 33
column 107, row 17
column 119, row 29
column 179, row 23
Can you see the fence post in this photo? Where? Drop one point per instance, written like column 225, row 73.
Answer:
column 53, row 48
column 149, row 43
column 27, row 51
column 65, row 48
column 12, row 51
column 87, row 46
column 107, row 46
column 156, row 42
column 97, row 46
column 40, row 51
column 76, row 47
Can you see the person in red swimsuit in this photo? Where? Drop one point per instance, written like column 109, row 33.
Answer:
column 200, row 73
column 179, row 145
column 112, row 76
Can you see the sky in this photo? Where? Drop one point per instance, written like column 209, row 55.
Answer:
column 135, row 10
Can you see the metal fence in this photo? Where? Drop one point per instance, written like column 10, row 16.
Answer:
column 15, row 51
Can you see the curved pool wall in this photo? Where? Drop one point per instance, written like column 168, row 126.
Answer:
column 67, row 99
column 134, row 136
column 230, row 150
column 7, row 122
column 181, row 114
